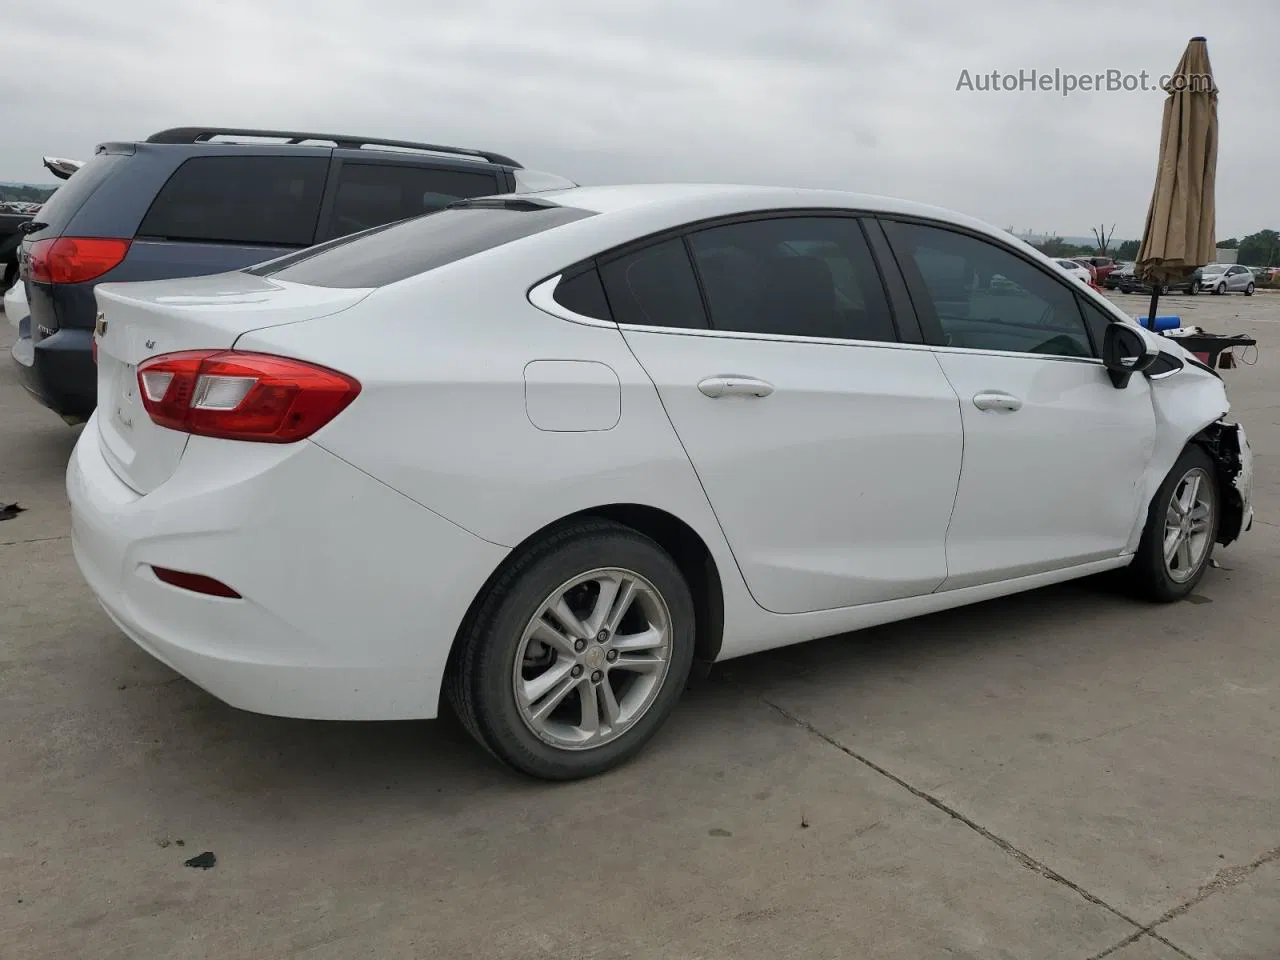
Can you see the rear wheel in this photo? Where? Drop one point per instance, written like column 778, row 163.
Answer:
column 1248, row 291
column 577, row 654
column 1182, row 526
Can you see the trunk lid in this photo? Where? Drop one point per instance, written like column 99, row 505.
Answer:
column 138, row 321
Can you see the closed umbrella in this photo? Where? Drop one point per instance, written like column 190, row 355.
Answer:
column 1179, row 235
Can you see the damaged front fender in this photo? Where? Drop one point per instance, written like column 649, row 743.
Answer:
column 1227, row 445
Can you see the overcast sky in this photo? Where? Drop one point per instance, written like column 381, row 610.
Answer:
column 858, row 96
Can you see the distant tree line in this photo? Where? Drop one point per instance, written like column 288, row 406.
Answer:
column 1261, row 249
column 25, row 192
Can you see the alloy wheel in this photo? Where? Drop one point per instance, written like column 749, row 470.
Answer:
column 592, row 659
column 1188, row 525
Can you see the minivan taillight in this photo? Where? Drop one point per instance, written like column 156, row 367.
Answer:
column 242, row 396
column 74, row 259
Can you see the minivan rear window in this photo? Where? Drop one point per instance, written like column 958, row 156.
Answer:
column 70, row 196
column 386, row 255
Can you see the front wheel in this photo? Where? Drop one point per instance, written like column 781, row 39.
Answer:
column 1220, row 289
column 1182, row 526
column 577, row 654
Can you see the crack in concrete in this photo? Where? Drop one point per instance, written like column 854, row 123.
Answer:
column 16, row 543
column 1025, row 859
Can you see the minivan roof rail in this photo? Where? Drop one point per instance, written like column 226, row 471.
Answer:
column 346, row 141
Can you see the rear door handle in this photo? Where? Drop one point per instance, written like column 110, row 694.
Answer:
column 997, row 401
column 732, row 385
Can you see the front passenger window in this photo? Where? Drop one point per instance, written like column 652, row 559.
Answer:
column 982, row 297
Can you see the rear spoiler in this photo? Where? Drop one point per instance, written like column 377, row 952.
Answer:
column 62, row 168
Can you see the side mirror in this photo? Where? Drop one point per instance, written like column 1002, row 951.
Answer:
column 1127, row 350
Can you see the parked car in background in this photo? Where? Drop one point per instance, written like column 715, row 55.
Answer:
column 1132, row 283
column 1227, row 278
column 1101, row 266
column 15, row 307
column 544, row 453
column 195, row 200
column 15, row 216
column 1077, row 270
column 1112, row 280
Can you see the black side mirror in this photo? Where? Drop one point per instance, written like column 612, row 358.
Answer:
column 1126, row 351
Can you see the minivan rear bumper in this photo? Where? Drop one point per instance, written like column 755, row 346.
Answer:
column 59, row 371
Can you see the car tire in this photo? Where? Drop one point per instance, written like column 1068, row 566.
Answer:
column 1220, row 289
column 1184, row 517
column 514, row 656
column 1248, row 291
column 1193, row 289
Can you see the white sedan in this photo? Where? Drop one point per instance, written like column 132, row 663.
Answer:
column 546, row 453
column 15, row 303
column 1077, row 270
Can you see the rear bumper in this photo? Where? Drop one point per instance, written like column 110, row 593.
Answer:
column 351, row 593
column 59, row 371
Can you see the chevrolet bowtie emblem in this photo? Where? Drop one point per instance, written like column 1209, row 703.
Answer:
column 100, row 325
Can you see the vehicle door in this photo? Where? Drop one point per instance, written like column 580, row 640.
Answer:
column 369, row 188
column 829, row 449
column 1238, row 279
column 1053, row 452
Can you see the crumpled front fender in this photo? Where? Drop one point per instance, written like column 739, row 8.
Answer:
column 1228, row 446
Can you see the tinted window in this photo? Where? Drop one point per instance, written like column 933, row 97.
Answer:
column 584, row 294
column 266, row 200
column 796, row 276
column 982, row 297
column 393, row 253
column 1097, row 321
column 70, row 197
column 654, row 287
column 369, row 194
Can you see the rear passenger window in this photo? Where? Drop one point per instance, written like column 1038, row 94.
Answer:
column 654, row 287
column 583, row 293
column 371, row 194
column 273, row 201
column 793, row 276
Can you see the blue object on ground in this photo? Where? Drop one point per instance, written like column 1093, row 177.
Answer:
column 1162, row 323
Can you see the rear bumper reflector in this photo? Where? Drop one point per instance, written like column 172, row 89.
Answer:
column 195, row 582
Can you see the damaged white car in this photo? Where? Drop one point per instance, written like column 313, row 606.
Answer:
column 547, row 453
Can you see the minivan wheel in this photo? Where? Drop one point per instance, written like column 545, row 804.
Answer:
column 1182, row 526
column 576, row 654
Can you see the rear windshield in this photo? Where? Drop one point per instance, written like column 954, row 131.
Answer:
column 392, row 253
column 71, row 195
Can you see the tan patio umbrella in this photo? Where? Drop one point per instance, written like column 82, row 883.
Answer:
column 1179, row 235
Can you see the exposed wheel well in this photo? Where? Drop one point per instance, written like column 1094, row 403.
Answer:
column 686, row 548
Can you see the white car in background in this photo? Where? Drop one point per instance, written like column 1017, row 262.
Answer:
column 545, row 453
column 15, row 304
column 1076, row 270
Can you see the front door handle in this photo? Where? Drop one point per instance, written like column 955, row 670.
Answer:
column 732, row 385
column 997, row 401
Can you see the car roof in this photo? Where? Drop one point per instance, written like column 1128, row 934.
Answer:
column 686, row 202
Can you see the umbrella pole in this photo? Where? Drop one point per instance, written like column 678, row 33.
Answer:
column 1155, row 302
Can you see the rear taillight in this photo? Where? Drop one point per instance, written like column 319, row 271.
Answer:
column 74, row 259
column 242, row 396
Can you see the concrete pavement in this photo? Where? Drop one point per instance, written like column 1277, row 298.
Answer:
column 1063, row 774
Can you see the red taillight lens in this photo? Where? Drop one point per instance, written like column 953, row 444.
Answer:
column 74, row 259
column 242, row 396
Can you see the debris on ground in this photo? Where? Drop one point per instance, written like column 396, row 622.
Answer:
column 202, row 861
column 10, row 510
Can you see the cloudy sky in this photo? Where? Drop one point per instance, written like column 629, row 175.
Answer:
column 840, row 93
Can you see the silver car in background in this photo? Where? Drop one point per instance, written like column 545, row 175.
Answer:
column 1227, row 278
